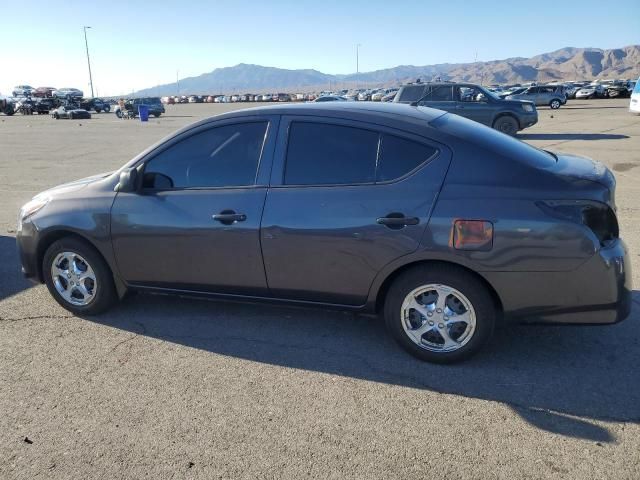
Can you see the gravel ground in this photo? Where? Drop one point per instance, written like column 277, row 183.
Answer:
column 164, row 388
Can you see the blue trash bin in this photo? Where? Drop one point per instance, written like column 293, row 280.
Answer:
column 143, row 111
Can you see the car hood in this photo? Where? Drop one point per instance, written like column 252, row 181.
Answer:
column 515, row 101
column 73, row 186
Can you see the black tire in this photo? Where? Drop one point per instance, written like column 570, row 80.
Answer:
column 156, row 115
column 105, row 295
column 507, row 124
column 555, row 104
column 467, row 284
column 119, row 113
column 98, row 110
column 56, row 116
column 8, row 110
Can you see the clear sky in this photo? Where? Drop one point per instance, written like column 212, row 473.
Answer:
column 137, row 44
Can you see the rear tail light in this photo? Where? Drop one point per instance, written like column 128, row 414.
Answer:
column 472, row 235
column 598, row 217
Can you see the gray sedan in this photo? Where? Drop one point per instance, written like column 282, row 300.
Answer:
column 440, row 224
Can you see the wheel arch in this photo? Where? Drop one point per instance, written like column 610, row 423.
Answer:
column 506, row 114
column 382, row 291
column 54, row 235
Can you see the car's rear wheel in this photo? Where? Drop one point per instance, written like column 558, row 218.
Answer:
column 98, row 110
column 156, row 115
column 506, row 124
column 440, row 314
column 119, row 113
column 77, row 277
column 555, row 104
column 56, row 116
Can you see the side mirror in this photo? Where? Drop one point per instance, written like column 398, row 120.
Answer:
column 128, row 180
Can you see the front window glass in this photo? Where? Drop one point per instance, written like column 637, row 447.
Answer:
column 226, row 156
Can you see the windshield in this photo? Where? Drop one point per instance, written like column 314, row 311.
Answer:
column 489, row 93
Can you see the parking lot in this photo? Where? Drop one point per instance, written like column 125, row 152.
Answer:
column 164, row 387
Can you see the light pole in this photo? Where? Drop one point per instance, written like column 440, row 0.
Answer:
column 86, row 44
column 357, row 63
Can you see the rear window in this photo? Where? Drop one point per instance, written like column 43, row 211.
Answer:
column 493, row 140
column 399, row 156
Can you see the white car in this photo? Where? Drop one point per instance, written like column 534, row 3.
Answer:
column 590, row 91
column 634, row 105
column 23, row 90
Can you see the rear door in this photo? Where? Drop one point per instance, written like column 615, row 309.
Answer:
column 346, row 199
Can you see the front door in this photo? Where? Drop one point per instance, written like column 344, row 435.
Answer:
column 194, row 224
column 347, row 200
column 473, row 104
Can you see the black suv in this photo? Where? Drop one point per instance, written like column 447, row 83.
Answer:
column 473, row 102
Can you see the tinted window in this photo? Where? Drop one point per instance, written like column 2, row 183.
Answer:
column 441, row 93
column 322, row 154
column 399, row 156
column 226, row 156
column 412, row 93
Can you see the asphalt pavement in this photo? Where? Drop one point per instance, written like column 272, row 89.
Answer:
column 174, row 388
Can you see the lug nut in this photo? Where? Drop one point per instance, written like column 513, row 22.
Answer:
column 431, row 324
column 441, row 325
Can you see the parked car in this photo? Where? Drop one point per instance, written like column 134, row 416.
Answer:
column 616, row 89
column 96, row 104
column 7, row 106
column 156, row 108
column 68, row 93
column 390, row 95
column 23, row 91
column 70, row 112
column 542, row 95
column 473, row 102
column 43, row 92
column 634, row 104
column 590, row 91
column 43, row 106
column 439, row 223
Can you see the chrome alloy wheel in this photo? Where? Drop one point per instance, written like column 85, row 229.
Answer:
column 74, row 278
column 438, row 318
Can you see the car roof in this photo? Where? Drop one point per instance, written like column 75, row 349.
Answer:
column 337, row 109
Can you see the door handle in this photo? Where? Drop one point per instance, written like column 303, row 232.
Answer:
column 229, row 217
column 397, row 220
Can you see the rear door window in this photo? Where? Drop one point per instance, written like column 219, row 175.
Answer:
column 326, row 154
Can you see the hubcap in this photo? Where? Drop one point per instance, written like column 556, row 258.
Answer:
column 74, row 278
column 438, row 318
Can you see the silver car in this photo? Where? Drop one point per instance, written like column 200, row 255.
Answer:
column 591, row 91
column 542, row 95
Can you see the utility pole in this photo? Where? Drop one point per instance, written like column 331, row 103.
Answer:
column 86, row 44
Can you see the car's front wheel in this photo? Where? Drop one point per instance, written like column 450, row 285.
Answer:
column 77, row 277
column 506, row 124
column 119, row 113
column 555, row 104
column 440, row 313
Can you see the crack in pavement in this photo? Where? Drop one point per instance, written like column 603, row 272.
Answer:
column 36, row 317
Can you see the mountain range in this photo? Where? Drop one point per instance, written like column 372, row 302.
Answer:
column 565, row 64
